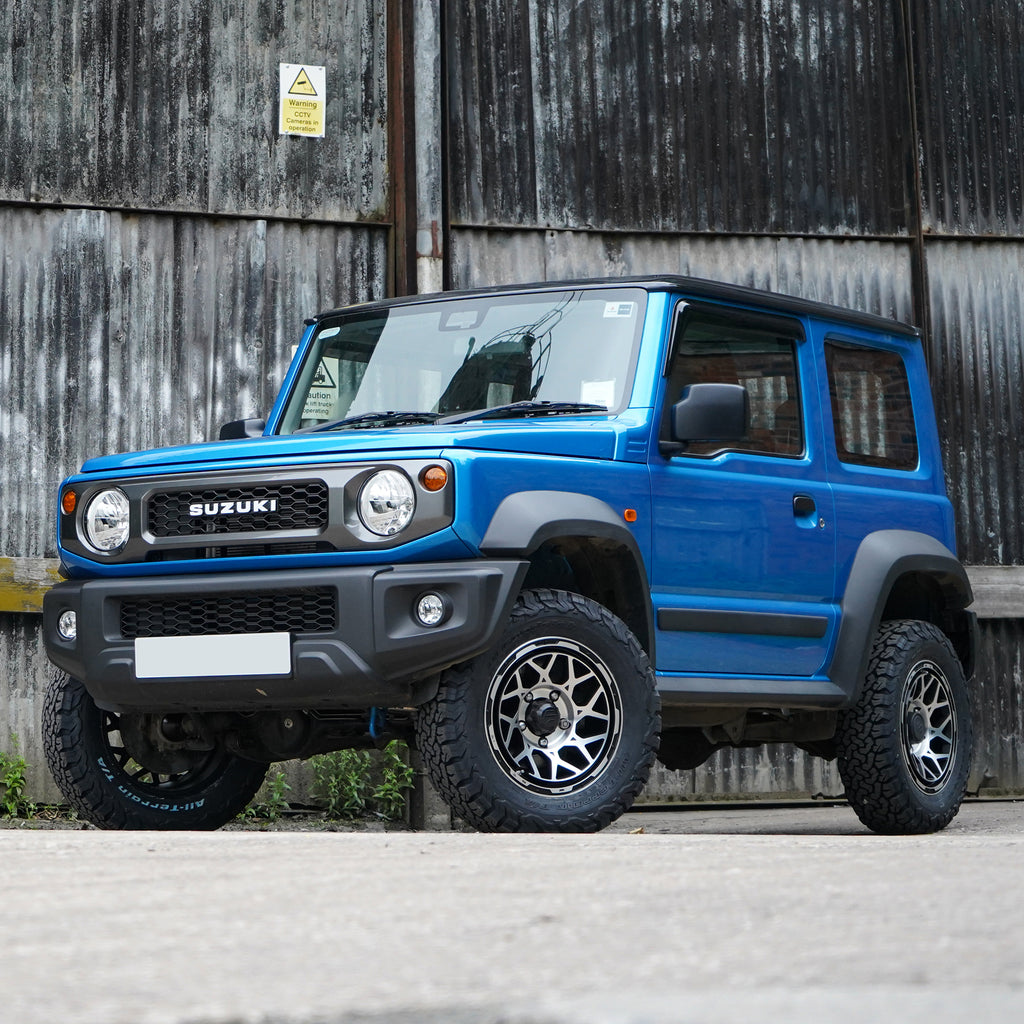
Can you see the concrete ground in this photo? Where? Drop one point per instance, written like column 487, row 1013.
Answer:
column 792, row 913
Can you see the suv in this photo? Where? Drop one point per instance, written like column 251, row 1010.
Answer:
column 546, row 534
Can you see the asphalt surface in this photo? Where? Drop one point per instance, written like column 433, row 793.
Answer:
column 730, row 914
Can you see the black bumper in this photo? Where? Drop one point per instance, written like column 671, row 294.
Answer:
column 372, row 652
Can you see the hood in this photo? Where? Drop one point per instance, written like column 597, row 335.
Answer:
column 574, row 438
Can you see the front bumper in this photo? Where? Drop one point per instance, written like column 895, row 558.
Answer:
column 368, row 651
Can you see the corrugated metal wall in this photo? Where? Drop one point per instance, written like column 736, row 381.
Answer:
column 859, row 152
column 161, row 242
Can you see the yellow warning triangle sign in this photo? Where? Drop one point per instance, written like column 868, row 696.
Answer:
column 302, row 86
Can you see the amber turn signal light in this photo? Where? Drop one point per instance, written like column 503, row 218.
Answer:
column 629, row 515
column 433, row 478
column 68, row 501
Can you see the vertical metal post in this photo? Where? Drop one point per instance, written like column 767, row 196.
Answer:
column 915, row 226
column 401, row 147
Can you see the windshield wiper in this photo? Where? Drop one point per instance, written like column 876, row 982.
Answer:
column 390, row 418
column 526, row 408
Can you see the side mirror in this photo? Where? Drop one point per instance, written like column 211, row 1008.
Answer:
column 711, row 412
column 239, row 429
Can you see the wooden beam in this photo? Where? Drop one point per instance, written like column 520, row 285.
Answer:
column 998, row 589
column 23, row 581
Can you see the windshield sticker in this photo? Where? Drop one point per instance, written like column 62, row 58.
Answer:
column 619, row 309
column 460, row 320
column 598, row 392
column 323, row 391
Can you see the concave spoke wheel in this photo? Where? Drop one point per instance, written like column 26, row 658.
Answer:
column 904, row 749
column 553, row 715
column 928, row 726
column 553, row 729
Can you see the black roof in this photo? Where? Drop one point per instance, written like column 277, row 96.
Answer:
column 692, row 287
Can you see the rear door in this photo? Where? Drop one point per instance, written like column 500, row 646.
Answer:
column 743, row 577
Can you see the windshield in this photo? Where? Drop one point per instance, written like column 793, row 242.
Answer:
column 555, row 352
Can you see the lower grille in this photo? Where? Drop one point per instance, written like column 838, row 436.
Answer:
column 307, row 610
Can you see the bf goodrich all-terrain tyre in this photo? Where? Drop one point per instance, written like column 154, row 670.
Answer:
column 905, row 748
column 115, row 778
column 554, row 729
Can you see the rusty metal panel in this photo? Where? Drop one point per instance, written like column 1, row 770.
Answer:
column 680, row 115
column 24, row 672
column 977, row 367
column 874, row 276
column 174, row 106
column 999, row 708
column 120, row 333
column 969, row 63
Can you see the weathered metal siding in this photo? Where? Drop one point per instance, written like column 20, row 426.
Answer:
column 679, row 115
column 161, row 243
column 123, row 332
column 173, row 105
column 862, row 274
column 969, row 65
column 977, row 302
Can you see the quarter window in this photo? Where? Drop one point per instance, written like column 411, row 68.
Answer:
column 872, row 414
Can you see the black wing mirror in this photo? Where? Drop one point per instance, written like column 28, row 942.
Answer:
column 238, row 429
column 711, row 412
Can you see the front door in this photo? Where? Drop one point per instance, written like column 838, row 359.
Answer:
column 743, row 574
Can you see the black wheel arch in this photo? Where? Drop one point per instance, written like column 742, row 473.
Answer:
column 578, row 543
column 901, row 574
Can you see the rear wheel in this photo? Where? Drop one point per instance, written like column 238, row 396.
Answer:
column 905, row 749
column 554, row 729
column 116, row 773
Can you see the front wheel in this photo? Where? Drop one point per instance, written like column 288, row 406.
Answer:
column 113, row 770
column 905, row 748
column 554, row 729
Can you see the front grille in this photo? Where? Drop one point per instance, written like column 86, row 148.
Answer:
column 295, row 505
column 306, row 610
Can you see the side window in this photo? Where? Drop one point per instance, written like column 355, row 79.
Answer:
column 758, row 353
column 871, row 407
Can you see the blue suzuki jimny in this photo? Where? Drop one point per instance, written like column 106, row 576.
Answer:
column 546, row 534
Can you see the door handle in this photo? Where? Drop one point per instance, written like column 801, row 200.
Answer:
column 803, row 506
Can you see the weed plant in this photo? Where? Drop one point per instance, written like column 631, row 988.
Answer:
column 13, row 778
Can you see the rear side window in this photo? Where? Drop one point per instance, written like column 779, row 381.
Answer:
column 871, row 409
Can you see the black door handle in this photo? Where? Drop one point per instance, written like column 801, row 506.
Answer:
column 803, row 505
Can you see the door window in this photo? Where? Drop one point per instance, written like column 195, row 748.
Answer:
column 760, row 356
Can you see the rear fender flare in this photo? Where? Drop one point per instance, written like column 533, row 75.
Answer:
column 883, row 558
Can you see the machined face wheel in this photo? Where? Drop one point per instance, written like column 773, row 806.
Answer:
column 553, row 716
column 928, row 727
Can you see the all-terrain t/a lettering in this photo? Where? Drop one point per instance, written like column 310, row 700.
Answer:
column 547, row 534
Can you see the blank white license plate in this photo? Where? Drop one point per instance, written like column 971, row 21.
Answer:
column 178, row 657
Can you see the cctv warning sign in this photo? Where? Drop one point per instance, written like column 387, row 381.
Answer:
column 303, row 95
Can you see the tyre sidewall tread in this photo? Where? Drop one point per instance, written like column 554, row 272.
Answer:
column 450, row 728
column 76, row 755
column 879, row 784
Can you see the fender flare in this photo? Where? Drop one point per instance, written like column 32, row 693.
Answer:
column 525, row 520
column 882, row 558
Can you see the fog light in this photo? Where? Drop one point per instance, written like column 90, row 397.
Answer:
column 67, row 625
column 432, row 609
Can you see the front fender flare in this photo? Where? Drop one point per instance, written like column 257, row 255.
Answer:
column 526, row 520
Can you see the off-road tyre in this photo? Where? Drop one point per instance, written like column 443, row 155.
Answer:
column 107, row 786
column 554, row 729
column 904, row 750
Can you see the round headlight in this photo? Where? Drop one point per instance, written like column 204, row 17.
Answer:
column 106, row 521
column 387, row 502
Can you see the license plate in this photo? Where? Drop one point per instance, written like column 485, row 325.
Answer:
column 183, row 657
